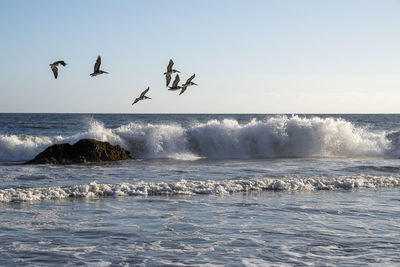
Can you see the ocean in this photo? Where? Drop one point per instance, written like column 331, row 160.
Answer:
column 203, row 190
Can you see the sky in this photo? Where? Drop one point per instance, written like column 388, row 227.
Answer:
column 287, row 56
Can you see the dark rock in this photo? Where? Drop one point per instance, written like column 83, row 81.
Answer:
column 84, row 151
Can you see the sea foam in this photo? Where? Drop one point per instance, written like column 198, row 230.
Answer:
column 279, row 136
column 185, row 187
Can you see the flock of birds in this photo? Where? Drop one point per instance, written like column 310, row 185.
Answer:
column 170, row 71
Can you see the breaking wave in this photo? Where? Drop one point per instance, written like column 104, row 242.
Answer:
column 280, row 136
column 184, row 187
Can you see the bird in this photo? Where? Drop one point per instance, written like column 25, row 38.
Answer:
column 97, row 70
column 142, row 96
column 54, row 68
column 188, row 83
column 175, row 85
column 170, row 71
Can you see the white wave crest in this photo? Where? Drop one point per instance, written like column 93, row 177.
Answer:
column 98, row 131
column 154, row 141
column 287, row 137
column 23, row 147
column 184, row 187
column 279, row 136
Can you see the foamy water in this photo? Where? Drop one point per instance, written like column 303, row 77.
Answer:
column 275, row 137
column 183, row 187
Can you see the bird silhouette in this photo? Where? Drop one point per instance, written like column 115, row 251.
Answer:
column 97, row 70
column 170, row 71
column 142, row 96
column 188, row 83
column 175, row 85
column 54, row 66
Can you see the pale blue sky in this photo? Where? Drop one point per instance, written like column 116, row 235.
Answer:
column 248, row 56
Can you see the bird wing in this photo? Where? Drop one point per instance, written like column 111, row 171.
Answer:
column 183, row 90
column 136, row 100
column 168, row 79
column 144, row 92
column 176, row 81
column 60, row 62
column 55, row 71
column 190, row 79
column 170, row 64
column 97, row 64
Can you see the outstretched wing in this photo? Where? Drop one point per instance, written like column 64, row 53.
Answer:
column 190, row 79
column 97, row 64
column 167, row 79
column 176, row 81
column 136, row 100
column 60, row 62
column 170, row 64
column 144, row 92
column 55, row 71
column 183, row 90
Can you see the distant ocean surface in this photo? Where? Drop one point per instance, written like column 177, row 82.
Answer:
column 223, row 189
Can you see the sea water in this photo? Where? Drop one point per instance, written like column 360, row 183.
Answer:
column 223, row 189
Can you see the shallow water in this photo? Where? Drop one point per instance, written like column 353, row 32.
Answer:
column 262, row 228
column 244, row 190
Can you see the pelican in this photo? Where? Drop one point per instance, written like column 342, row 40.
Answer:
column 54, row 68
column 188, row 83
column 97, row 70
column 175, row 85
column 170, row 71
column 142, row 96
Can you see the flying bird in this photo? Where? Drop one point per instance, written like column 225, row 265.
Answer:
column 175, row 85
column 97, row 70
column 188, row 83
column 142, row 96
column 54, row 68
column 170, row 71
